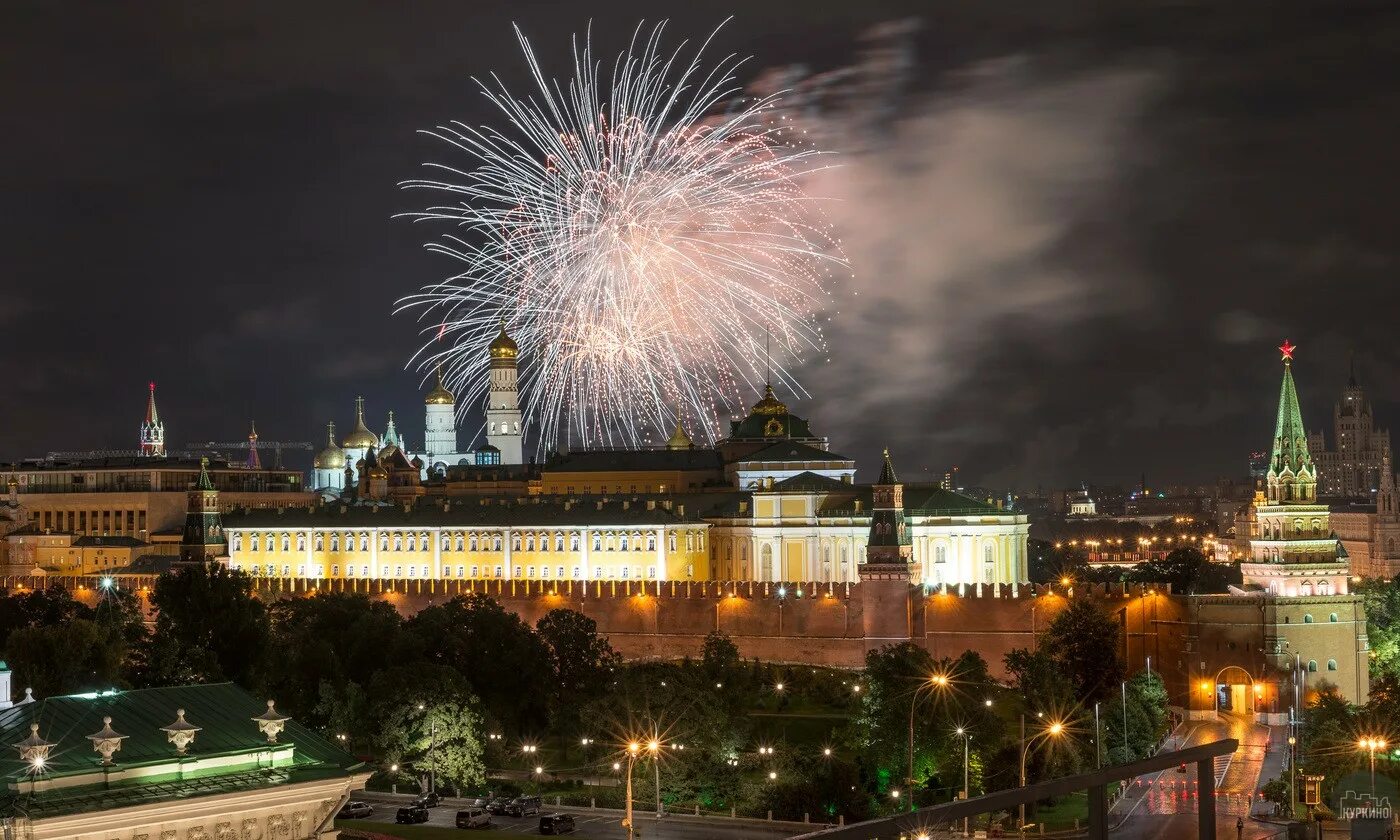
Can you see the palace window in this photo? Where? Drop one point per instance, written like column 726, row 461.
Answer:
column 301, row 542
column 1312, row 666
column 1332, row 618
column 651, row 572
column 496, row 543
column 237, row 542
column 514, row 542
column 476, row 571
column 671, row 542
column 320, row 542
column 578, row 573
column 446, row 542
column 651, row 542
column 335, row 542
column 335, row 570
column 559, row 573
column 1331, row 664
column 286, row 571
column 573, row 542
column 286, row 543
column 622, row 543
column 530, row 543
column 597, row 571
column 398, row 571
column 530, row 572
column 517, row 571
column 625, row 572
column 559, row 542
column 398, row 542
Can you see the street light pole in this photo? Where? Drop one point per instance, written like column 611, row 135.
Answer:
column 1098, row 740
column 656, row 765
column 967, row 745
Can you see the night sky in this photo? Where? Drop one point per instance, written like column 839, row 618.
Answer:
column 1078, row 230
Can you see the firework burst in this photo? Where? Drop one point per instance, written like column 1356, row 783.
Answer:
column 642, row 233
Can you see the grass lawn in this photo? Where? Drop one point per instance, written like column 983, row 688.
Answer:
column 1063, row 813
column 429, row 832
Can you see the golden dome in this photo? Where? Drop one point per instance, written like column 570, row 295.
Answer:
column 503, row 347
column 769, row 404
column 361, row 437
column 679, row 439
column 332, row 457
column 439, row 395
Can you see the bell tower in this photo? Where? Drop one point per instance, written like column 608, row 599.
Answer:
column 503, row 429
column 886, row 574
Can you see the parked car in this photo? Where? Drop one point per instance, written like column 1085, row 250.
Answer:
column 473, row 818
column 411, row 814
column 556, row 824
column 497, row 805
column 476, row 801
column 523, row 806
column 355, row 810
column 429, row 800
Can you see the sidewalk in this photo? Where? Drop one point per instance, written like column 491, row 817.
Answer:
column 1275, row 766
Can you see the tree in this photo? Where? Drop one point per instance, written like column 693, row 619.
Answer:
column 506, row 663
column 1084, row 641
column 38, row 608
column 718, row 654
column 76, row 656
column 209, row 628
column 582, row 660
column 427, row 716
column 1382, row 599
column 1188, row 571
column 326, row 643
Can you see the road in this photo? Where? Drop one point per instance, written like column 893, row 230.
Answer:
column 598, row 825
column 1162, row 806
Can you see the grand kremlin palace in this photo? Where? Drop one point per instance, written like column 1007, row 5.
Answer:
column 770, row 502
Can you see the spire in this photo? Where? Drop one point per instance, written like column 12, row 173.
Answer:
column 204, row 482
column 439, row 395
column 887, row 472
column 360, row 437
column 152, row 429
column 391, row 434
column 152, row 415
column 679, row 439
column 1292, row 476
column 1385, row 495
column 254, row 460
column 889, row 541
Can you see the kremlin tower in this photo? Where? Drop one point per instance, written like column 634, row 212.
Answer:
column 1292, row 550
column 203, row 537
column 440, row 422
column 503, row 408
column 152, row 429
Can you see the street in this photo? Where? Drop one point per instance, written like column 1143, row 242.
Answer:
column 597, row 825
column 1162, row 806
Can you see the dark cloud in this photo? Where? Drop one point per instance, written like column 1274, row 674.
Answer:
column 1077, row 228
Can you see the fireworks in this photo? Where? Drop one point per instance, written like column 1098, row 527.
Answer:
column 642, row 233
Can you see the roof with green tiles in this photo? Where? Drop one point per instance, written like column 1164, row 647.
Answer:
column 223, row 711
column 791, row 450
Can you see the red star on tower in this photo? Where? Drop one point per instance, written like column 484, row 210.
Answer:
column 1287, row 349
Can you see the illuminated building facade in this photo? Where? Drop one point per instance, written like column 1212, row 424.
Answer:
column 1352, row 470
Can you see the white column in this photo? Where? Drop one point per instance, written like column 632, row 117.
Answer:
column 661, row 554
column 583, row 553
column 505, row 549
column 310, row 552
column 373, row 553
column 437, row 552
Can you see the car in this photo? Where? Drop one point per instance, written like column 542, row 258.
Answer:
column 497, row 805
column 411, row 814
column 355, row 810
column 523, row 806
column 429, row 800
column 556, row 824
column 473, row 818
column 476, row 801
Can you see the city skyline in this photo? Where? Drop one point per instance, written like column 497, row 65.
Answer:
column 1091, row 334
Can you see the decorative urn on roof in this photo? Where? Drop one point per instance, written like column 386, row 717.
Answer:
column 180, row 733
column 270, row 723
column 107, row 741
column 34, row 750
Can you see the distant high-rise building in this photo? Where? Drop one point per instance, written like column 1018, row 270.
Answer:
column 1352, row 469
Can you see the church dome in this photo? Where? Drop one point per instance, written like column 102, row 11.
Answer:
column 679, row 439
column 504, row 347
column 332, row 457
column 439, row 395
column 361, row 437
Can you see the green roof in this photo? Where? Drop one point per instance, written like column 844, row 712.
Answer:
column 792, row 450
column 223, row 711
column 469, row 511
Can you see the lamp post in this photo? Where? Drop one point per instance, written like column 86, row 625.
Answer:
column 1370, row 745
column 934, row 681
column 1292, row 773
column 1055, row 730
column 634, row 750
column 966, row 794
column 654, row 747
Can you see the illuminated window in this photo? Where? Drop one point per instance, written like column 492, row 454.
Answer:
column 530, row 543
column 335, row 570
column 301, row 542
column 559, row 573
column 286, row 543
column 651, row 572
column 517, row 571
column 573, row 542
column 496, row 543
column 514, row 542
column 320, row 543
column 597, row 542
column 651, row 542
column 1331, row 664
column 335, row 542
column 530, row 572
column 558, row 542
column 1312, row 666
column 578, row 572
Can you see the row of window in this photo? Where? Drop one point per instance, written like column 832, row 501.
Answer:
column 414, row 571
column 1274, row 530
column 1312, row 665
column 471, row 542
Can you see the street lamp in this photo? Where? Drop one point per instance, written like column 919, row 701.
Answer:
column 967, row 745
column 1370, row 745
column 634, row 751
column 935, row 682
column 1054, row 730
